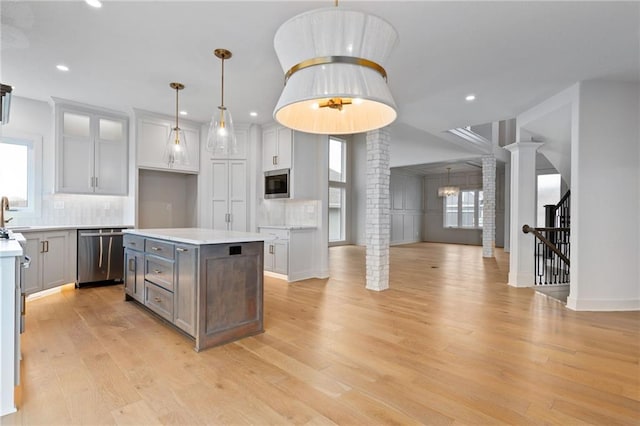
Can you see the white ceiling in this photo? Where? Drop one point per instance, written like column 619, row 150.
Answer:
column 512, row 55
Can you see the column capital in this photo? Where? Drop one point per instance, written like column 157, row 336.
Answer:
column 523, row 145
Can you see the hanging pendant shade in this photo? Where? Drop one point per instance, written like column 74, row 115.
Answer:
column 335, row 81
column 221, row 139
column 175, row 152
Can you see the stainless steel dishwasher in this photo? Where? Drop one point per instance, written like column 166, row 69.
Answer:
column 100, row 256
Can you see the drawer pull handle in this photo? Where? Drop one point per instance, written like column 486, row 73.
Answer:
column 156, row 248
column 157, row 299
column 157, row 271
column 181, row 250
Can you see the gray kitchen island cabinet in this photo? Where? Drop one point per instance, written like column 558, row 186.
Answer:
column 208, row 283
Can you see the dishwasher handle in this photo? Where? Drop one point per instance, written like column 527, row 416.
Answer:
column 98, row 234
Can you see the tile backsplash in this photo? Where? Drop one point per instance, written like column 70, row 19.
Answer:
column 290, row 212
column 71, row 209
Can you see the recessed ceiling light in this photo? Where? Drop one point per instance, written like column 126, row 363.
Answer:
column 253, row 114
column 184, row 113
column 470, row 98
column 94, row 3
column 62, row 67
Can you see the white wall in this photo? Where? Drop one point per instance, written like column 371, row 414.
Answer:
column 605, row 198
column 410, row 146
column 358, row 188
column 433, row 229
column 166, row 199
column 35, row 119
column 406, row 207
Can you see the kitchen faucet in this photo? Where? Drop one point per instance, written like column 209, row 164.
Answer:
column 4, row 205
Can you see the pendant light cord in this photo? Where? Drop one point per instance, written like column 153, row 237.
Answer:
column 222, row 88
column 177, row 109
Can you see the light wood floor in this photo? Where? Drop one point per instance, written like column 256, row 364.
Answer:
column 449, row 343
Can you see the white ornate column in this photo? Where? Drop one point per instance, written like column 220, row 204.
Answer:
column 523, row 211
column 489, row 205
column 378, row 225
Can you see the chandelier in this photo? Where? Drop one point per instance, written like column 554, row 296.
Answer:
column 335, row 80
column 449, row 190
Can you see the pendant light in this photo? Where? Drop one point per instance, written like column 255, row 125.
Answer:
column 447, row 191
column 222, row 138
column 335, row 81
column 175, row 152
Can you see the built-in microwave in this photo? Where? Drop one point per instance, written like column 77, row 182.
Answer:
column 276, row 184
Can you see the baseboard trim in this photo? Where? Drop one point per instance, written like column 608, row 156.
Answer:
column 603, row 304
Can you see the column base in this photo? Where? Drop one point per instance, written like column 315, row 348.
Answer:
column 520, row 280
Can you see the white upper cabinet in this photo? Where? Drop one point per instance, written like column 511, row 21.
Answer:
column 276, row 148
column 152, row 133
column 300, row 152
column 91, row 149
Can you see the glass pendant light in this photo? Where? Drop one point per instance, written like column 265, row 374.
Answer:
column 222, row 138
column 175, row 152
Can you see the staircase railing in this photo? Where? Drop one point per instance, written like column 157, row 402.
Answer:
column 552, row 246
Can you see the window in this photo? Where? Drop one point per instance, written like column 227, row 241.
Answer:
column 464, row 210
column 337, row 190
column 17, row 174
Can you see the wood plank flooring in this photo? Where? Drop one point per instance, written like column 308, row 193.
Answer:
column 449, row 343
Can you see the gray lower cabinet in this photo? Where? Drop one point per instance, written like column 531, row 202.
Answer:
column 212, row 292
column 134, row 274
column 230, row 302
column 186, row 258
column 159, row 300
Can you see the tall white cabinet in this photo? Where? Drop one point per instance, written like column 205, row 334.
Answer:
column 230, row 187
column 91, row 149
column 229, row 194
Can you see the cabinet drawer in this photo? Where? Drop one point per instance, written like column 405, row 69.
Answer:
column 158, row 248
column 159, row 300
column 275, row 234
column 159, row 271
column 133, row 242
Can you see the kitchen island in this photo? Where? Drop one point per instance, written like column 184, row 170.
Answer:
column 10, row 256
column 208, row 283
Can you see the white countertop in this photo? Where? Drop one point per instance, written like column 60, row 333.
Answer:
column 40, row 228
column 11, row 247
column 287, row 227
column 198, row 236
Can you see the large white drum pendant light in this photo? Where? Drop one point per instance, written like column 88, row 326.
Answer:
column 335, row 81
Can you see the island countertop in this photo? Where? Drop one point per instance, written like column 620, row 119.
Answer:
column 197, row 236
column 11, row 247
